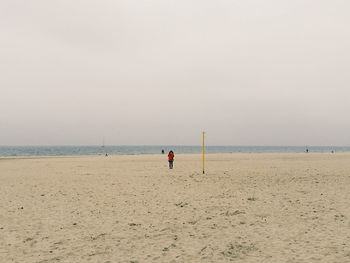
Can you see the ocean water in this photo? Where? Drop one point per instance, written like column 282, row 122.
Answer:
column 8, row 151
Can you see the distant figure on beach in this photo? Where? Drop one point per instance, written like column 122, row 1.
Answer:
column 171, row 156
column 307, row 150
column 106, row 154
column 162, row 151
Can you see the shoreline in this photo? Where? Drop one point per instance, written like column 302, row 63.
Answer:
column 177, row 154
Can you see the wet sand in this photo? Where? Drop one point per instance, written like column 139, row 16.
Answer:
column 246, row 208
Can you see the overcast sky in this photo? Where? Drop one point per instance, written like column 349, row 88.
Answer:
column 248, row 72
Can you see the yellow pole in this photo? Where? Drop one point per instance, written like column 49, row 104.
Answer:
column 203, row 152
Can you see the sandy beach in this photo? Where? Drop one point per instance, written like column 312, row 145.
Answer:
column 246, row 208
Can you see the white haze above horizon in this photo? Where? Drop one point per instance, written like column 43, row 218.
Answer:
column 252, row 72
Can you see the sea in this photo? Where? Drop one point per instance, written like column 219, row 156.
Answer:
column 8, row 151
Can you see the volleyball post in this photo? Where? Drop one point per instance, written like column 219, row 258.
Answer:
column 203, row 151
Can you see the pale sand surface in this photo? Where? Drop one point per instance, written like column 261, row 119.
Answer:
column 247, row 208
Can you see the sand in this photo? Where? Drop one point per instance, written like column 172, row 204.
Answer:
column 246, row 208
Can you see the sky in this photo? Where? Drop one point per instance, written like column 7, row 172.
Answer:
column 143, row 72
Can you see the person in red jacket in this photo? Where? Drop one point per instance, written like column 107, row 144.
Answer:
column 171, row 156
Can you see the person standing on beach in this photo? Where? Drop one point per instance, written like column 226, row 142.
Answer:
column 171, row 156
